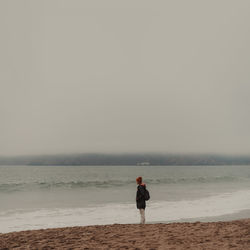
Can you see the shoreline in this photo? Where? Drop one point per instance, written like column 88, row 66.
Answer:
column 243, row 214
column 240, row 215
column 176, row 235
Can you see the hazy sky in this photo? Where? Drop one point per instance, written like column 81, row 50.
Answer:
column 124, row 76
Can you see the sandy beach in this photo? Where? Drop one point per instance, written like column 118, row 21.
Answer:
column 210, row 235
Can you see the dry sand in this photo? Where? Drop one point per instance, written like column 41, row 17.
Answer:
column 212, row 235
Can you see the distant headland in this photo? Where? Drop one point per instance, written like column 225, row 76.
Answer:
column 98, row 159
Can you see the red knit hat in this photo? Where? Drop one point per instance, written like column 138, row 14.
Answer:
column 139, row 179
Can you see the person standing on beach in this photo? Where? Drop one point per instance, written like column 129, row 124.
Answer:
column 141, row 196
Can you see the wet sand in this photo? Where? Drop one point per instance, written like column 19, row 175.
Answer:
column 209, row 235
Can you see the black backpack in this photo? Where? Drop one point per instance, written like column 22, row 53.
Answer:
column 147, row 195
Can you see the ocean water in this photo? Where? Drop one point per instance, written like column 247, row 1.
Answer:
column 34, row 197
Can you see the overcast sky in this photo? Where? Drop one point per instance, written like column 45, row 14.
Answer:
column 124, row 76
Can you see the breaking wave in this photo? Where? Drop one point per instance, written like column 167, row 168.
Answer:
column 24, row 186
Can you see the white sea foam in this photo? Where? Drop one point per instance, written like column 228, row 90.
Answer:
column 156, row 211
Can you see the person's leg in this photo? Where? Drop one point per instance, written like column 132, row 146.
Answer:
column 142, row 212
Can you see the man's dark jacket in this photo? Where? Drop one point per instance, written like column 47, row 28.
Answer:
column 140, row 194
